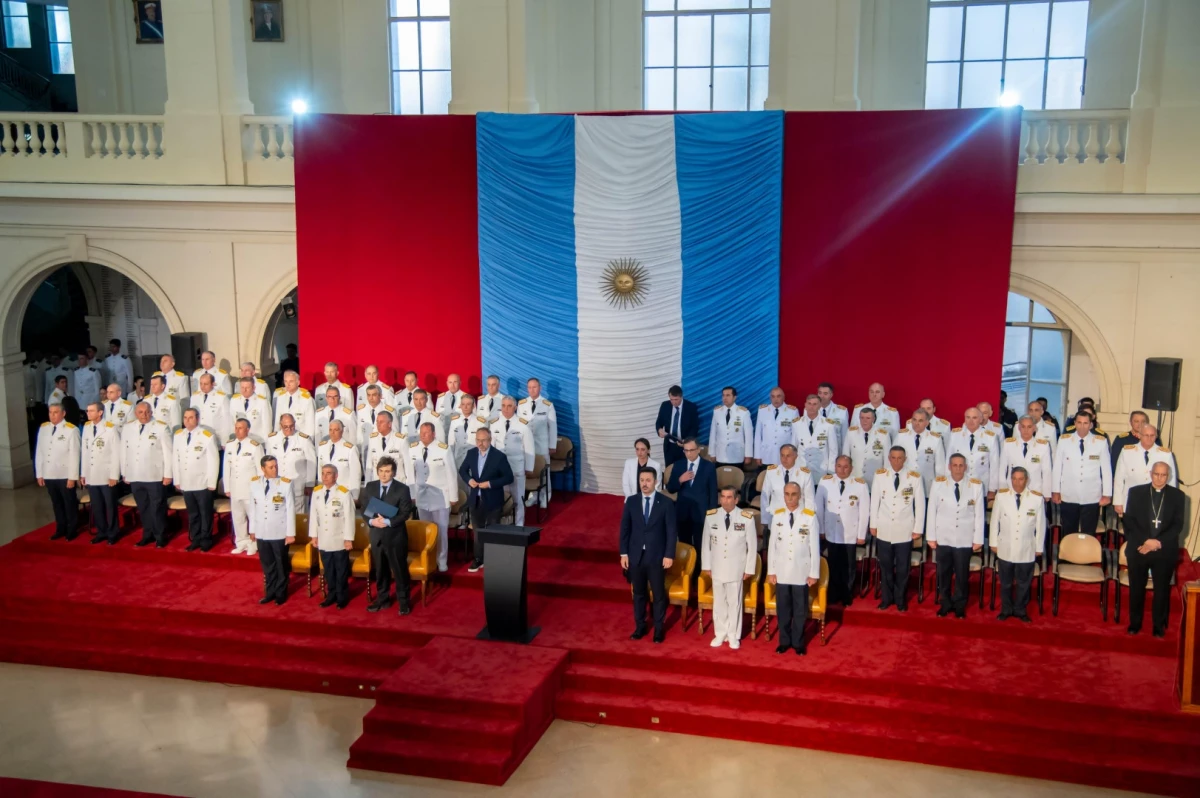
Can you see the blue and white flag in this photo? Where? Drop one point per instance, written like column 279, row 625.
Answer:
column 620, row 255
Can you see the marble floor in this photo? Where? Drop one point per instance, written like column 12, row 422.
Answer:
column 199, row 739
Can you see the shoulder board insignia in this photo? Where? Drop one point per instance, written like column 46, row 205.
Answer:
column 861, row 404
column 718, row 407
column 885, row 407
column 860, row 480
column 279, row 391
column 362, row 406
column 916, row 474
column 126, row 402
column 406, row 412
column 1164, row 450
column 989, row 432
column 805, row 470
column 739, row 407
column 221, row 393
column 411, row 444
column 443, row 446
column 956, row 429
column 171, row 395
column 302, row 435
column 939, row 479
column 1034, row 492
column 343, row 489
column 342, row 385
column 780, row 510
column 1070, row 428
column 206, row 432
column 108, row 423
column 548, row 402
column 1041, row 440
column 808, row 511
column 881, row 471
column 347, row 444
column 1009, row 440
column 975, row 481
column 481, row 419
column 389, row 408
column 160, row 421
column 180, row 431
column 373, row 434
column 434, row 413
column 305, row 394
column 252, row 441
column 1002, row 490
column 284, row 480
column 854, row 429
column 525, row 421
column 760, row 407
column 713, row 511
column 827, row 476
column 830, row 420
column 523, row 401
column 840, row 407
column 197, row 371
column 255, row 479
column 1063, row 438
column 276, row 432
column 456, row 417
column 178, row 373
column 934, row 434
column 772, row 467
column 1131, row 446
column 260, row 379
column 747, row 514
column 222, row 371
column 157, row 374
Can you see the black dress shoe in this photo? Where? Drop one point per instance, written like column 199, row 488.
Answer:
column 660, row 636
column 328, row 602
column 206, row 548
column 143, row 542
column 1004, row 616
column 801, row 651
column 279, row 602
column 883, row 605
column 1024, row 619
column 265, row 600
column 112, row 542
column 474, row 566
column 405, row 609
column 943, row 612
column 380, row 603
column 1160, row 633
column 781, row 649
column 162, row 545
column 192, row 547
column 98, row 539
column 1133, row 629
column 58, row 536
column 343, row 605
column 901, row 608
column 849, row 602
column 960, row 614
column 638, row 634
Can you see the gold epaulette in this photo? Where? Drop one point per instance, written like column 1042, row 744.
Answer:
column 1010, row 440
column 1041, row 440
column 739, row 407
column 860, row 480
column 207, row 432
column 285, row 480
column 302, row 434
column 1002, row 490
column 1131, row 446
column 771, row 467
column 523, row 401
column 939, row 479
column 413, row 443
column 827, row 476
column 933, row 433
column 808, row 511
column 853, row 429
column 975, row 481
column 1035, row 493
column 780, row 510
column 713, row 511
column 442, row 446
column 1164, row 450
column 343, row 488
column 916, row 474
column 805, row 469
column 881, row 471
column 524, row 421
column 255, row 479
column 956, row 429
column 108, row 423
column 760, row 407
column 747, row 514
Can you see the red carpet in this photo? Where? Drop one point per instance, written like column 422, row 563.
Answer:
column 24, row 788
column 1069, row 697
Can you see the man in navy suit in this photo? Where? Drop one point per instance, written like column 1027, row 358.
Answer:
column 694, row 483
column 648, row 550
column 677, row 421
column 486, row 472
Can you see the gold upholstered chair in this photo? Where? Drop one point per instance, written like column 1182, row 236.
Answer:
column 302, row 553
column 422, row 548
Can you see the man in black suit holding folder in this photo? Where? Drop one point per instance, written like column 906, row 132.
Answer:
column 389, row 534
column 648, row 550
column 1153, row 520
column 677, row 421
column 486, row 472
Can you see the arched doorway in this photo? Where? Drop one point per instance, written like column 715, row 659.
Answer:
column 281, row 332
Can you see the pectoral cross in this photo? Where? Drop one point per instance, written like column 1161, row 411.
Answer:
column 1157, row 523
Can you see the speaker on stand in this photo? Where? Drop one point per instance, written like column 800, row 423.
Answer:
column 1160, row 389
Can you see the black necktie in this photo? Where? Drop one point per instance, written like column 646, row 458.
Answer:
column 285, row 443
column 1081, row 445
column 239, row 451
column 727, row 520
column 864, row 437
column 425, row 455
column 1025, row 449
column 506, row 423
column 896, row 483
column 1018, row 501
column 791, row 519
column 382, row 490
column 418, row 425
column 777, row 414
column 1147, row 456
column 156, row 403
column 372, row 415
column 810, row 427
column 727, row 412
column 112, row 408
column 675, row 423
column 290, row 401
column 466, row 421
column 917, row 443
column 842, row 489
column 327, row 496
column 330, row 411
column 823, row 413
column 332, row 447
column 410, row 397
column 451, row 401
column 141, row 429
column 956, row 496
column 266, row 487
column 96, row 429
column 189, row 440
column 247, row 404
column 646, row 512
column 972, row 447
column 786, row 478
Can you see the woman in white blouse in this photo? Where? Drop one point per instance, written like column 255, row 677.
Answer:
column 629, row 480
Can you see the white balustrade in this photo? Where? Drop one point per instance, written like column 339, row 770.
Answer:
column 1050, row 138
column 124, row 137
column 268, row 150
column 32, row 136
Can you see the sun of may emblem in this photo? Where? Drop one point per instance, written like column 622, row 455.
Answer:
column 625, row 282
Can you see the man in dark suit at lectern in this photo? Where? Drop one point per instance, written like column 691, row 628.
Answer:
column 486, row 472
column 677, row 421
column 648, row 550
column 1153, row 521
column 389, row 536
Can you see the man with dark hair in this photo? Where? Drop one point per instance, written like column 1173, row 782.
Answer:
column 1154, row 518
column 838, row 413
column 647, row 548
column 1018, row 518
column 694, row 482
column 897, row 519
column 56, row 465
column 677, row 421
column 731, row 435
column 1136, row 419
column 389, row 536
column 272, row 528
column 1082, row 481
column 117, row 368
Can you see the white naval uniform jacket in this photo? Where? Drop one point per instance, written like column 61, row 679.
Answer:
column 221, row 380
column 120, row 412
column 981, row 448
column 87, row 388
column 386, row 395
column 772, row 430
column 343, row 456
column 378, row 445
column 214, row 412
column 1017, row 533
column 195, row 460
column 817, row 441
column 489, row 406
column 365, row 420
column 844, row 515
column 774, row 483
column 146, row 452
column 298, row 462
column 794, row 555
column 347, row 396
column 331, row 517
column 57, row 451
column 1133, row 469
column 841, row 415
column 732, row 440
column 957, row 523
column 448, row 403
column 543, row 420
column 513, row 437
column 177, row 383
column 242, row 463
column 897, row 513
column 273, row 513
column 101, row 458
column 300, row 405
column 165, row 408
column 729, row 552
column 460, row 435
column 886, row 418
column 256, row 410
column 342, row 414
column 1034, row 456
column 1082, row 477
column 925, row 452
column 432, row 476
column 867, row 451
column 412, row 419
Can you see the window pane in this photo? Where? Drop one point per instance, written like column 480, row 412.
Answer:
column 435, row 8
column 731, row 40
column 1027, row 30
column 708, row 5
column 435, row 45
column 729, row 89
column 985, row 33
column 406, row 52
column 1064, row 84
column 1068, row 30
column 62, row 59
column 403, row 8
column 758, row 88
column 692, row 90
column 1055, row 399
column 760, row 39
column 761, row 3
column 1025, row 78
column 1016, row 351
column 1018, row 308
column 437, row 92
column 945, row 34
column 660, row 5
column 941, row 85
column 59, row 22
column 1049, row 356
column 695, row 41
column 660, row 41
column 980, row 84
column 1041, row 315
column 407, row 88
column 16, row 32
column 15, row 8
column 660, row 90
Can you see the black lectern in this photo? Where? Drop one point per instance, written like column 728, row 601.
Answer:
column 504, row 582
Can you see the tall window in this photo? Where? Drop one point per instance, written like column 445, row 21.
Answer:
column 1037, row 352
column 16, row 24
column 1029, row 50
column 705, row 55
column 58, row 28
column 420, row 56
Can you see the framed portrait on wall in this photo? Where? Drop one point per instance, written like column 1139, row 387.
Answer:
column 148, row 16
column 267, row 20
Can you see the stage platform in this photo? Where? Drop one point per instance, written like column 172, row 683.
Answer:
column 1071, row 698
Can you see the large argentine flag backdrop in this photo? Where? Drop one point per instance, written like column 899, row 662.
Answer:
column 695, row 200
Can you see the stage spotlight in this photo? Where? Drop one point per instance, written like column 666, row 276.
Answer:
column 289, row 308
column 299, row 106
column 1009, row 98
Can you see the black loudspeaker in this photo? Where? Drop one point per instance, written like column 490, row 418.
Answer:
column 185, row 348
column 1160, row 389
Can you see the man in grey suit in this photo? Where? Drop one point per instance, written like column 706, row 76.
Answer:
column 389, row 536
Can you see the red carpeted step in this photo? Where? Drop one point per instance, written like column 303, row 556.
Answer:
column 890, row 738
column 175, row 553
column 444, row 727
column 580, row 579
column 1024, row 722
column 434, row 760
